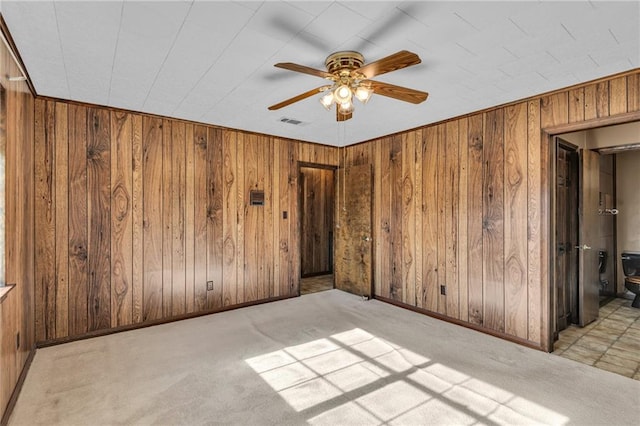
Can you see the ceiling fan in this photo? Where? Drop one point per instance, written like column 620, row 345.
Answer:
column 350, row 78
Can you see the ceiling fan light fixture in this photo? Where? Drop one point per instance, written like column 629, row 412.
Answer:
column 363, row 94
column 327, row 100
column 345, row 107
column 342, row 94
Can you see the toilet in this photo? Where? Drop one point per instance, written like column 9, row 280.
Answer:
column 631, row 268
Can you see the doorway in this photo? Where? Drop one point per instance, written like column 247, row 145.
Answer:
column 317, row 198
column 605, row 334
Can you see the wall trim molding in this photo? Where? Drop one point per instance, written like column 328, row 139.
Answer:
column 18, row 388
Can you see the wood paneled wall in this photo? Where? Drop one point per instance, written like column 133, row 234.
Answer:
column 463, row 204
column 317, row 193
column 135, row 213
column 18, row 306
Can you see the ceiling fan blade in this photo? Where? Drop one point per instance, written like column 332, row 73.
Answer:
column 305, row 70
column 397, row 61
column 398, row 92
column 299, row 97
column 342, row 117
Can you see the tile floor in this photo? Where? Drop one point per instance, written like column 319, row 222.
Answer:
column 316, row 284
column 612, row 342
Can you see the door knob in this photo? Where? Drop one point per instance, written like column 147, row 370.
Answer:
column 367, row 238
column 583, row 247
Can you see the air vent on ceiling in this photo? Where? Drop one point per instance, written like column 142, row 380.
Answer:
column 291, row 121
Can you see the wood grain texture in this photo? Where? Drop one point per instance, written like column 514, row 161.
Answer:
column 200, row 137
column 396, row 181
column 617, row 96
column 189, row 230
column 178, row 218
column 61, row 162
column 214, row 217
column 534, row 231
column 121, row 221
column 452, row 182
column 45, row 220
column 633, row 92
column 441, row 218
column 167, row 217
column 430, row 287
column 493, row 221
column 515, row 220
column 463, row 219
column 99, row 214
column 137, row 220
column 576, row 105
column 407, row 197
column 229, row 228
column 152, row 222
column 317, row 220
column 475, row 219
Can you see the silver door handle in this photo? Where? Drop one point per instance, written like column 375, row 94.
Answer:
column 583, row 247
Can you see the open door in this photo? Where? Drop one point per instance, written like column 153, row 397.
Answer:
column 588, row 278
column 353, row 259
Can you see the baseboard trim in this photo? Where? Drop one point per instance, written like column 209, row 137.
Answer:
column 16, row 391
column 119, row 329
column 484, row 330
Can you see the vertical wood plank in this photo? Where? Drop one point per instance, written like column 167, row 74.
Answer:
column 214, row 216
column 602, row 99
column 178, row 205
column 61, row 162
column 475, row 219
column 229, row 203
column 276, row 213
column 385, row 265
column 417, row 211
column 441, row 218
column 285, row 147
column 152, row 217
column 189, row 230
column 463, row 219
column 576, row 105
column 633, row 92
column 493, row 221
column 267, row 217
column 396, row 181
column 137, row 220
column 408, row 217
column 251, row 219
column 534, row 218
column 78, row 238
column 121, row 220
column 200, row 135
column 241, row 212
column 451, row 218
column 555, row 108
column 430, row 218
column 99, row 214
column 167, row 216
column 589, row 103
column 45, row 320
column 515, row 221
column 618, row 95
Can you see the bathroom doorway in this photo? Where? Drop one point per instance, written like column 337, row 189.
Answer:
column 610, row 341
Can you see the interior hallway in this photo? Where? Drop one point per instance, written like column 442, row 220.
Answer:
column 324, row 358
column 612, row 342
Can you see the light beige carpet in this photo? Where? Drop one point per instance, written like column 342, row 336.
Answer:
column 324, row 358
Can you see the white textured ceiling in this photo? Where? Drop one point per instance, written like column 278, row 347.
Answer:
column 212, row 61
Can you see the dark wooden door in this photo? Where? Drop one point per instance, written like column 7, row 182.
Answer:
column 566, row 278
column 354, row 243
column 317, row 213
column 588, row 278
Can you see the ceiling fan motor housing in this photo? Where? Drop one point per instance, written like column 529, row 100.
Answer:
column 344, row 61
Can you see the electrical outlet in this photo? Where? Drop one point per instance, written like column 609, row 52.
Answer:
column 209, row 285
column 443, row 290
